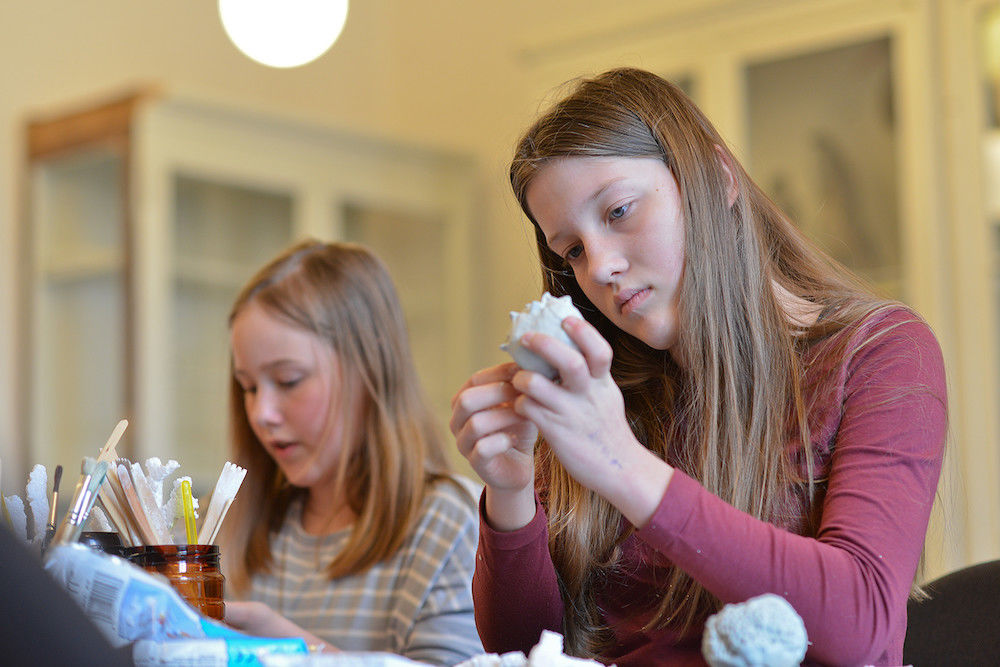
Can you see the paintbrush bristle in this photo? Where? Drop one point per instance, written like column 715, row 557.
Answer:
column 56, row 478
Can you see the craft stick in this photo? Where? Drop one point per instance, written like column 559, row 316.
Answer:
column 119, row 496
column 218, row 525
column 154, row 515
column 114, row 513
column 148, row 537
column 108, row 451
column 226, row 487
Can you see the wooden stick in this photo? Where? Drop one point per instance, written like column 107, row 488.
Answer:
column 114, row 513
column 145, row 531
column 218, row 525
column 147, row 499
column 108, row 451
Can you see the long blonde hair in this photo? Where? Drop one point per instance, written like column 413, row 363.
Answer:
column 719, row 408
column 342, row 293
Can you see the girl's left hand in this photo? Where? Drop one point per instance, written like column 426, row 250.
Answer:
column 259, row 620
column 582, row 417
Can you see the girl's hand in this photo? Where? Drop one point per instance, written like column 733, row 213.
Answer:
column 498, row 443
column 256, row 618
column 582, row 418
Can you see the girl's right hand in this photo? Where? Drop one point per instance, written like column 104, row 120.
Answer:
column 498, row 443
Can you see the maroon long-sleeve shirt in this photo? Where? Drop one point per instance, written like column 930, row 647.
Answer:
column 878, row 431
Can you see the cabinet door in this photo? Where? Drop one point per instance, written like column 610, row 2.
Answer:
column 821, row 136
column 78, row 343
column 222, row 234
column 223, row 191
column 413, row 247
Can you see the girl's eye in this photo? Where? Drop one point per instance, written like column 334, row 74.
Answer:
column 618, row 212
column 289, row 384
column 574, row 252
column 249, row 391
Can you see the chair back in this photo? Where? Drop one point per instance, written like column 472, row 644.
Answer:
column 960, row 623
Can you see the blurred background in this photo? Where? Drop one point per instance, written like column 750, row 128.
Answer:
column 148, row 167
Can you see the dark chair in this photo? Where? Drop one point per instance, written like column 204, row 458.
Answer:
column 960, row 623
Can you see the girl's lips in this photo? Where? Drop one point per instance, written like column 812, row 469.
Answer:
column 635, row 301
column 283, row 449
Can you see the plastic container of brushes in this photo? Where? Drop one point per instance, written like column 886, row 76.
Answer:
column 192, row 569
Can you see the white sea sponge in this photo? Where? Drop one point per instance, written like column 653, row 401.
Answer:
column 548, row 652
column 38, row 502
column 18, row 520
column 546, row 316
column 156, row 472
column 764, row 631
column 98, row 521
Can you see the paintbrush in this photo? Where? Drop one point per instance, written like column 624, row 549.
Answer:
column 55, row 497
column 83, row 500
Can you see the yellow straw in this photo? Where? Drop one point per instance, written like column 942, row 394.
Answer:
column 192, row 533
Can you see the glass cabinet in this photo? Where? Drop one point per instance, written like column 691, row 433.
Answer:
column 147, row 214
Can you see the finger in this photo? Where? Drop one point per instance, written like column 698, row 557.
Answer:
column 478, row 398
column 595, row 350
column 491, row 447
column 499, row 373
column 534, row 411
column 483, row 424
column 569, row 363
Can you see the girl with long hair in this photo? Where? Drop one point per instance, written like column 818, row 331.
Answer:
column 349, row 529
column 742, row 415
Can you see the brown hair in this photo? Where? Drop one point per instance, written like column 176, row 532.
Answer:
column 342, row 293
column 718, row 409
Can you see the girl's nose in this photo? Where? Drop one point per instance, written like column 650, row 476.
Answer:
column 264, row 409
column 605, row 263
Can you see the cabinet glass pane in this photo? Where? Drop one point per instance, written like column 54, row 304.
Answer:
column 78, row 341
column 222, row 234
column 412, row 246
column 990, row 52
column 822, row 145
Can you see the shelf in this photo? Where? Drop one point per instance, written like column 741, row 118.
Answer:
column 83, row 265
column 212, row 273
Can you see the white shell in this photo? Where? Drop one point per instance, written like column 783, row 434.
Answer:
column 546, row 316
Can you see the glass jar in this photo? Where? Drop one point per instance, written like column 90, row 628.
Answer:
column 192, row 569
column 108, row 542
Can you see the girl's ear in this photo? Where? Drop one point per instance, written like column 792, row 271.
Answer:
column 732, row 190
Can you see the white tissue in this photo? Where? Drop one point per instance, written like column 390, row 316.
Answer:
column 764, row 631
column 545, row 316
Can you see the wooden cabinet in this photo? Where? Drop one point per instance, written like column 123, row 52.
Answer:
column 148, row 213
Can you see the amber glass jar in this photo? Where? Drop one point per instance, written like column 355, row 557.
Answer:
column 193, row 570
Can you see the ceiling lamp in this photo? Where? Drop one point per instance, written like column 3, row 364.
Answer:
column 283, row 33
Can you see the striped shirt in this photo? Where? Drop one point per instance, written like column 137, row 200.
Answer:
column 417, row 603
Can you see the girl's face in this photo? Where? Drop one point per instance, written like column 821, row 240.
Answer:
column 618, row 224
column 292, row 390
